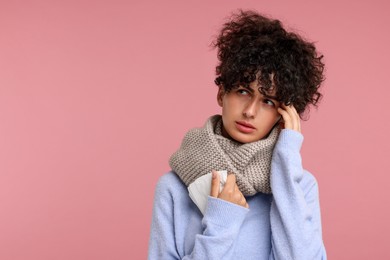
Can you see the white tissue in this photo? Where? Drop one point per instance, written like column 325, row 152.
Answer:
column 200, row 189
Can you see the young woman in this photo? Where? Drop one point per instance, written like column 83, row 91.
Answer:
column 268, row 207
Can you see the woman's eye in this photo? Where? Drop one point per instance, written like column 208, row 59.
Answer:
column 242, row 92
column 269, row 102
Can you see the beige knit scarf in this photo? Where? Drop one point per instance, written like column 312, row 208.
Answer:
column 204, row 149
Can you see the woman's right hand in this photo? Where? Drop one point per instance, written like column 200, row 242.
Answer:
column 230, row 191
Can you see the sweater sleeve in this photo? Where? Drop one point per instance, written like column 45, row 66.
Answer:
column 295, row 210
column 221, row 224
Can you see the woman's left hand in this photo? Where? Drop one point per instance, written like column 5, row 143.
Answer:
column 290, row 117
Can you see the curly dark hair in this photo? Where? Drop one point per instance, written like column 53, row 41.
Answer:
column 253, row 47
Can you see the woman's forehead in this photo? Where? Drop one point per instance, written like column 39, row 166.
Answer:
column 255, row 85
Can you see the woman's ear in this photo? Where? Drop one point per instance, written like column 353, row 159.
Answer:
column 220, row 95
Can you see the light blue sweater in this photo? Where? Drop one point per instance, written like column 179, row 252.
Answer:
column 284, row 225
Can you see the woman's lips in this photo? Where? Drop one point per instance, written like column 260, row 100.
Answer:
column 245, row 127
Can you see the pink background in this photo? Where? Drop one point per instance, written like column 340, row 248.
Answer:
column 96, row 95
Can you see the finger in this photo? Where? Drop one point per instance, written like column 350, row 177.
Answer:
column 230, row 182
column 298, row 118
column 293, row 117
column 294, row 110
column 293, row 121
column 286, row 118
column 243, row 201
column 214, row 184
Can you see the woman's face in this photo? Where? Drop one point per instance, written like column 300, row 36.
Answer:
column 248, row 115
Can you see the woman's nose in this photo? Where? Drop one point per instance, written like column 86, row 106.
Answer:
column 250, row 109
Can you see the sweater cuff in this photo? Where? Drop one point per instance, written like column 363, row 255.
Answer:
column 224, row 213
column 291, row 139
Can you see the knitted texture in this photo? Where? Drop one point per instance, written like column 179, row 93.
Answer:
column 205, row 149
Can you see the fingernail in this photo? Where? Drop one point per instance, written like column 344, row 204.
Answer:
column 214, row 175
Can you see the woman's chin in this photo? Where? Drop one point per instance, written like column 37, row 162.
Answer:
column 242, row 138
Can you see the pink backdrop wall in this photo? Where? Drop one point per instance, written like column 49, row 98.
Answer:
column 96, row 95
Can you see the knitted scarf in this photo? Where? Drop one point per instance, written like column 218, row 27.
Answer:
column 204, row 149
